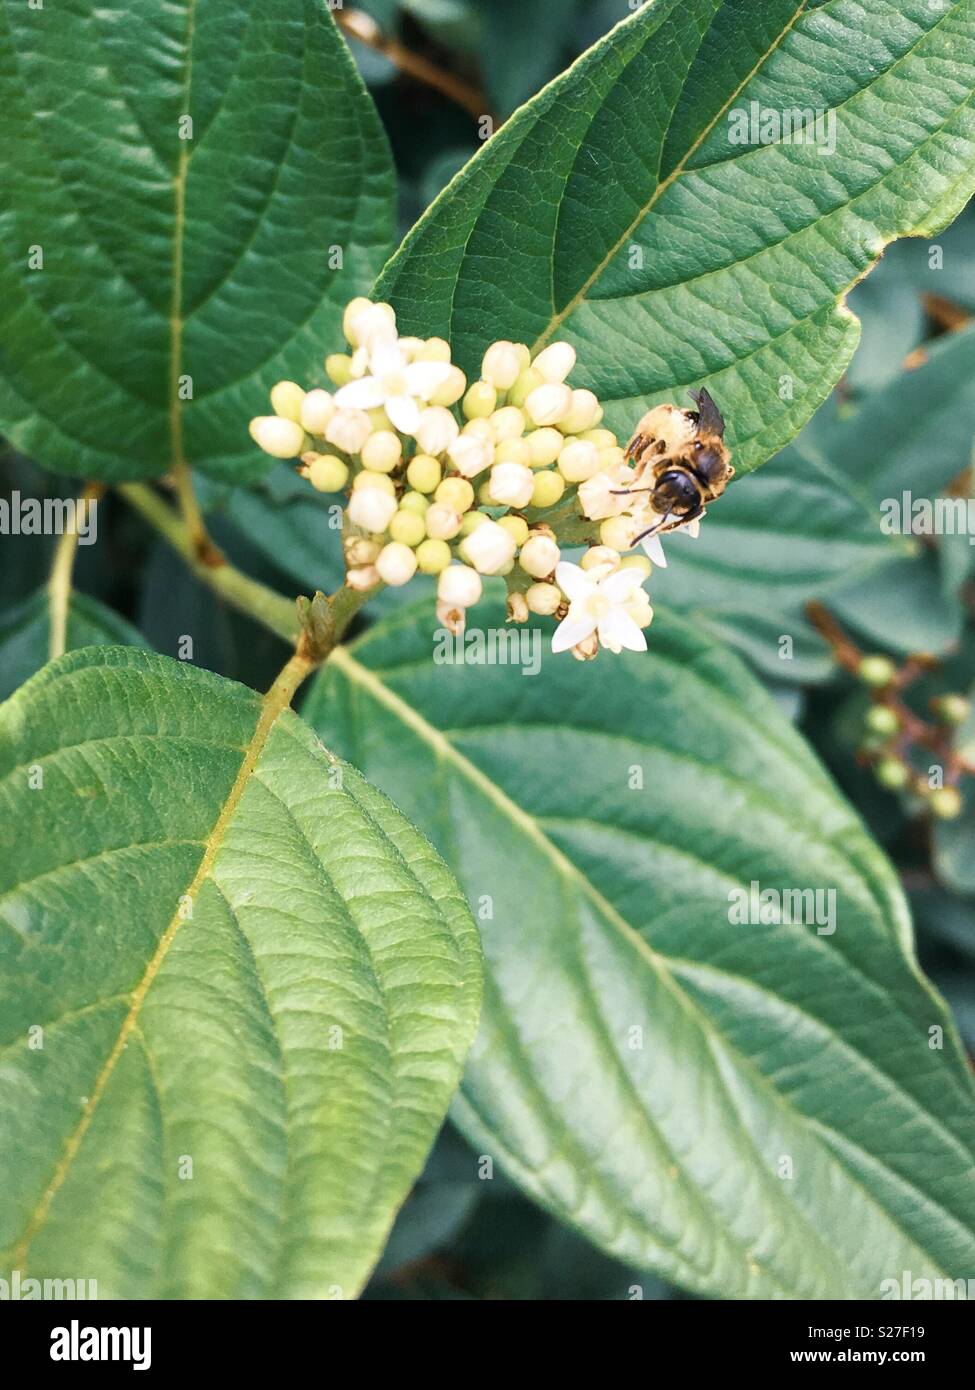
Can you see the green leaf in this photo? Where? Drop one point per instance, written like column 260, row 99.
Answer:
column 25, row 634
column 256, row 984
column 173, row 263
column 648, row 1069
column 616, row 211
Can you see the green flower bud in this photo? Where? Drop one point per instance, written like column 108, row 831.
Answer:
column 945, row 803
column 423, row 473
column 952, row 709
column 880, row 719
column 892, row 774
column 876, row 671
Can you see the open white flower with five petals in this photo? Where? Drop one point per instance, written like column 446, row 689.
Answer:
column 401, row 387
column 598, row 601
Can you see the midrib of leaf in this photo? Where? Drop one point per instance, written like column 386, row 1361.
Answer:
column 559, row 318
column 447, row 753
column 179, row 225
column 273, row 704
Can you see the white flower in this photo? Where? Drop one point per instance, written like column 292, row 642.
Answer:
column 371, row 508
column 601, row 496
column 366, row 325
column 489, row 548
column 598, row 603
column 512, row 484
column 548, row 404
column 396, row 384
column 348, row 430
column 502, row 364
column 470, row 454
column 436, row 429
column 459, row 586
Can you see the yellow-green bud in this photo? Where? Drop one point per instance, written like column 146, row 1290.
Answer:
column 516, row 526
column 382, row 451
column 601, row 555
column 414, row 502
column 338, row 365
column 526, row 382
column 423, row 473
column 434, row 350
column 578, row 461
column 452, row 389
column 326, row 473
column 880, row 719
column 433, row 556
column 408, row 526
column 513, row 451
column 545, row 444
column 945, row 803
column 876, row 670
column 369, row 479
column 952, row 709
column 617, row 532
column 471, row 521
column 892, row 774
column 603, row 439
column 584, row 412
column 637, row 562
column 548, row 489
column 543, row 599
column 480, row 401
column 455, row 493
column 286, row 399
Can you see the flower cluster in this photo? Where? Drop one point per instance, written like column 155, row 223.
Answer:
column 462, row 480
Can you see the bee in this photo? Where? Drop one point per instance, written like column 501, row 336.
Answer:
column 681, row 457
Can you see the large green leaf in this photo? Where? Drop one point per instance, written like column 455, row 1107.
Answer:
column 254, row 982
column 648, row 1070
column 25, row 634
column 616, row 211
column 169, row 259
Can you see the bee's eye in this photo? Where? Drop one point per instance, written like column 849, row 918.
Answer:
column 698, row 445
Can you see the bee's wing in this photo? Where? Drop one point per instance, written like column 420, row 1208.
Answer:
column 710, row 419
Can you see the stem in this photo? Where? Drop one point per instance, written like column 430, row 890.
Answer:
column 62, row 570
column 364, row 28
column 286, row 684
column 192, row 514
column 272, row 609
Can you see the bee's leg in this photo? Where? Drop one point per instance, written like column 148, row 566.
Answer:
column 693, row 515
column 625, row 491
column 651, row 530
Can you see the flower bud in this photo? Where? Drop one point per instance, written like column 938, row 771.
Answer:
column 578, row 461
column 353, row 309
column 423, row 473
column 548, row 404
column 539, row 555
column 470, row 454
column 501, row 365
column 876, row 671
column 545, row 446
column 555, row 362
column 367, row 478
column 599, row 555
column 516, row 526
column 603, row 495
column 433, row 556
column 338, row 365
column 618, row 532
column 317, row 409
column 527, row 381
column 455, row 493
column 326, row 473
column 286, row 399
column 366, row 325
column 282, row 439
column 442, row 522
column 451, row 617
column 584, row 412
column 396, row 564
column 382, row 451
column 517, row 608
column 480, row 401
column 513, row 451
column 587, row 649
column 489, row 548
column 508, row 423
column 603, row 439
column 511, row 484
column 881, row 719
column 348, row 430
column 548, row 489
column 434, row 350
column 637, row 562
column 436, row 429
column 945, row 803
column 471, row 521
column 459, row 586
column 952, row 709
column 360, row 551
column 371, row 508
column 452, row 389
column 365, row 578
column 414, row 502
column 543, row 599
column 407, row 526
column 639, row 608
column 892, row 774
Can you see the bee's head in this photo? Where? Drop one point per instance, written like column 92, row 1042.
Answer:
column 676, row 492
